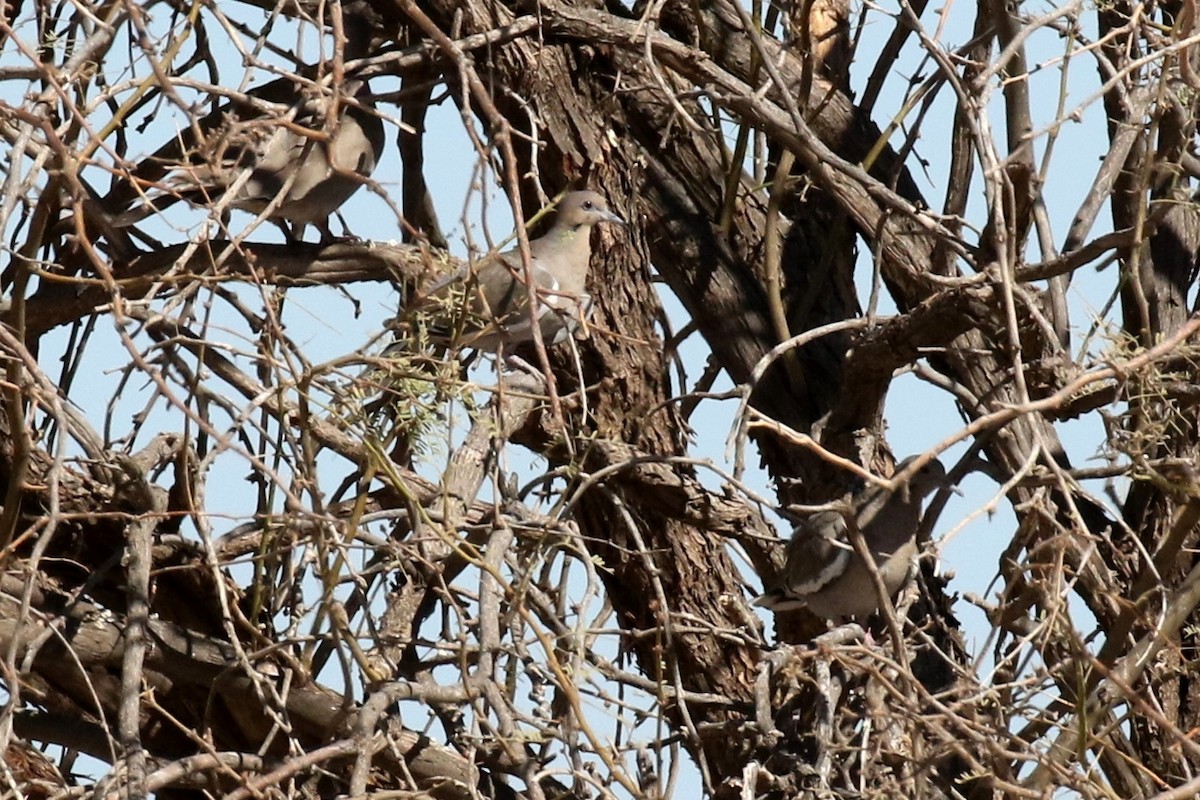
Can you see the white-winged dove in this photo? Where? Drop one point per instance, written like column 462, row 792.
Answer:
column 824, row 573
column 487, row 304
column 284, row 152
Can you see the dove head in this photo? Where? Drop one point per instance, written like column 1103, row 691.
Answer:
column 579, row 209
column 927, row 479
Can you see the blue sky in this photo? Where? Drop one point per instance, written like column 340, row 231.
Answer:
column 324, row 322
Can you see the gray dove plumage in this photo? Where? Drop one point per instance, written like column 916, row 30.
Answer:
column 486, row 305
column 824, row 573
column 282, row 152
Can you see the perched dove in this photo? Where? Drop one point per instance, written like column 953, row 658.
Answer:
column 823, row 571
column 282, row 152
column 487, row 305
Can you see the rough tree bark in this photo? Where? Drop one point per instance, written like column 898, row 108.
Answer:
column 366, row 626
